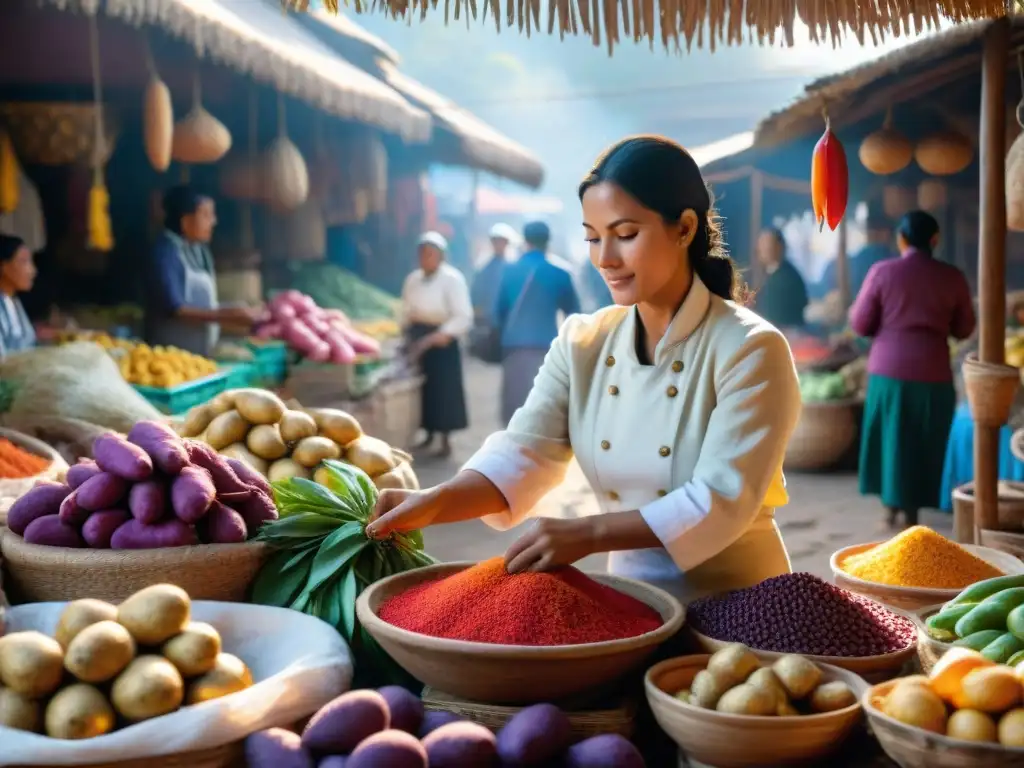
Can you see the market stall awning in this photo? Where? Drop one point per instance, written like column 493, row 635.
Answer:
column 255, row 38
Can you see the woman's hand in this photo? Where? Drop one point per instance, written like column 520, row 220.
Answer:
column 551, row 543
column 400, row 511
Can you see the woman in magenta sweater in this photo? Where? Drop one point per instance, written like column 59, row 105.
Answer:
column 909, row 307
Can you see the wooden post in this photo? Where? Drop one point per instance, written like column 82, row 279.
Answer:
column 843, row 267
column 991, row 256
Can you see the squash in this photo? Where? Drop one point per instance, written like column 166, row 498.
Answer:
column 932, row 195
column 886, row 150
column 158, row 123
column 285, row 175
column 944, row 153
column 200, row 137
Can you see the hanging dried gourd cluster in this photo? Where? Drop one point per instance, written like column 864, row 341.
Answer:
column 1015, row 165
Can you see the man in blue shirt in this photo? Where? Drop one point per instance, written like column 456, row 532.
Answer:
column 879, row 247
column 532, row 293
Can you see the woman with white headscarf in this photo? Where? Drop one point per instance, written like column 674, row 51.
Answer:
column 436, row 314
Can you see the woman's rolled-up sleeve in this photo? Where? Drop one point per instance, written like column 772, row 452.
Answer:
column 756, row 413
column 530, row 458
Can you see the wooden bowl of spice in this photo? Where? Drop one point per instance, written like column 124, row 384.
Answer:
column 917, row 568
column 24, row 461
column 474, row 631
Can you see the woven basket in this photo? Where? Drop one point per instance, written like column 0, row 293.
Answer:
column 824, row 434
column 1010, row 509
column 36, row 573
column 13, row 488
column 929, row 650
column 58, row 132
column 991, row 389
column 227, row 756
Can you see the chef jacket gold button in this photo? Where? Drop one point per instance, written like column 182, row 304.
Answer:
column 613, row 495
column 609, row 361
column 664, row 450
column 677, row 366
column 613, row 390
column 671, row 391
column 605, row 445
column 663, row 493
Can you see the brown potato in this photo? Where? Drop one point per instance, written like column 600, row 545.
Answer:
column 296, row 425
column 155, row 614
column 265, row 441
column 226, row 429
column 194, row 652
column 99, row 652
column 79, row 614
column 31, row 663
column 259, row 406
column 229, row 675
column 150, row 687
column 79, row 711
column 19, row 712
column 340, row 426
column 312, row 450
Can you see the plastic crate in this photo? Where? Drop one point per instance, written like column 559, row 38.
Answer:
column 238, row 374
column 179, row 399
column 270, row 361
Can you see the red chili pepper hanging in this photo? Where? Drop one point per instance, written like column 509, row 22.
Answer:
column 830, row 182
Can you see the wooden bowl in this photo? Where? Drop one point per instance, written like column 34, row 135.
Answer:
column 13, row 488
column 911, row 599
column 35, row 573
column 511, row 674
column 912, row 747
column 929, row 650
column 745, row 741
column 871, row 668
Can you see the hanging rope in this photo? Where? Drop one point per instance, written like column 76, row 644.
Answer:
column 100, row 231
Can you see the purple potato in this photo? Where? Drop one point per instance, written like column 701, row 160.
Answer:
column 394, row 749
column 333, row 761
column 117, row 456
column 41, row 500
column 256, row 508
column 534, row 735
column 82, row 471
column 461, row 745
column 435, row 718
column 192, row 493
column 406, row 709
column 609, row 750
column 171, row 532
column 249, row 475
column 51, row 531
column 162, row 444
column 70, row 512
column 223, row 525
column 276, row 748
column 99, row 528
column 147, row 501
column 101, row 491
column 224, row 478
column 341, row 724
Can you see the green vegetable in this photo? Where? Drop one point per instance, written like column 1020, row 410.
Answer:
column 332, row 287
column 944, row 622
column 979, row 640
column 977, row 592
column 1016, row 659
column 1015, row 622
column 1002, row 648
column 324, row 559
column 990, row 613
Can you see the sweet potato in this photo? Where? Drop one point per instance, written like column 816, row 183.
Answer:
column 70, row 512
column 82, row 471
column 248, row 475
column 223, row 525
column 51, row 531
column 44, row 499
column 147, row 501
column 225, row 480
column 256, row 508
column 99, row 528
column 276, row 748
column 171, row 532
column 117, row 456
column 162, row 444
column 101, row 491
column 192, row 493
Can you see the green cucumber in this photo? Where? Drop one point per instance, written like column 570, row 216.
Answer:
column 990, row 613
column 1002, row 648
column 1016, row 659
column 944, row 621
column 1015, row 622
column 983, row 589
column 979, row 640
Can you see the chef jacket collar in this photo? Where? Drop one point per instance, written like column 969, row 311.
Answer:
column 689, row 317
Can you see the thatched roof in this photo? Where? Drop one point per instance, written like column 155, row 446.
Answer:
column 678, row 24
column 256, row 39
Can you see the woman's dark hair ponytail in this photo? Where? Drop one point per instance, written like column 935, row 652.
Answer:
column 918, row 229
column 662, row 176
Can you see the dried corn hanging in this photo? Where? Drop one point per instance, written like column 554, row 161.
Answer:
column 10, row 191
column 100, row 231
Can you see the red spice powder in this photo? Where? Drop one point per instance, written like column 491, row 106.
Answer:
column 485, row 604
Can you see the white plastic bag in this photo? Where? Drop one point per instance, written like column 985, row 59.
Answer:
column 298, row 662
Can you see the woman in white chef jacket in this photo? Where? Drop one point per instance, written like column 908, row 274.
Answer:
column 677, row 402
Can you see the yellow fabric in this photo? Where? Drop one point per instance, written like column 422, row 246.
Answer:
column 101, row 235
column 9, row 173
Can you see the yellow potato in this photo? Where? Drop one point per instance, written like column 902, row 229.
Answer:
column 312, row 450
column 79, row 711
column 229, row 675
column 151, row 686
column 265, row 441
column 99, row 652
column 79, row 614
column 155, row 614
column 19, row 712
column 296, row 425
column 258, row 406
column 31, row 663
column 194, row 652
column 226, row 429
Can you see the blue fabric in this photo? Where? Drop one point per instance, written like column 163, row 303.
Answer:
column 486, row 283
column 959, row 466
column 551, row 290
column 166, row 276
column 858, row 266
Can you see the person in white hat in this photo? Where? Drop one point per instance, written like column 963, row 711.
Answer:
column 436, row 313
column 487, row 279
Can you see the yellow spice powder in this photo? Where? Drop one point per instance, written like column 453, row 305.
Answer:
column 919, row 557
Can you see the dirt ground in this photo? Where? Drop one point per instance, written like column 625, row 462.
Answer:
column 825, row 512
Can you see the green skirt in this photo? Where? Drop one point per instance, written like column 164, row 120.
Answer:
column 903, row 441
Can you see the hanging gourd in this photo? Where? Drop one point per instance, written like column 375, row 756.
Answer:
column 932, row 195
column 199, row 137
column 886, row 150
column 157, row 118
column 284, row 170
column 897, row 200
column 10, row 191
column 829, row 179
column 99, row 230
column 944, row 153
column 1015, row 166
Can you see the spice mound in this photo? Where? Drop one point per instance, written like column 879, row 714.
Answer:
column 919, row 557
column 800, row 613
column 16, row 462
column 486, row 604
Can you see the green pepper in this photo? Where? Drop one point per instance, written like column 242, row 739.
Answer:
column 991, row 612
column 944, row 622
column 979, row 640
column 983, row 589
column 1002, row 648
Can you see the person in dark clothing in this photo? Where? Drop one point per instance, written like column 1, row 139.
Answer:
column 783, row 297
